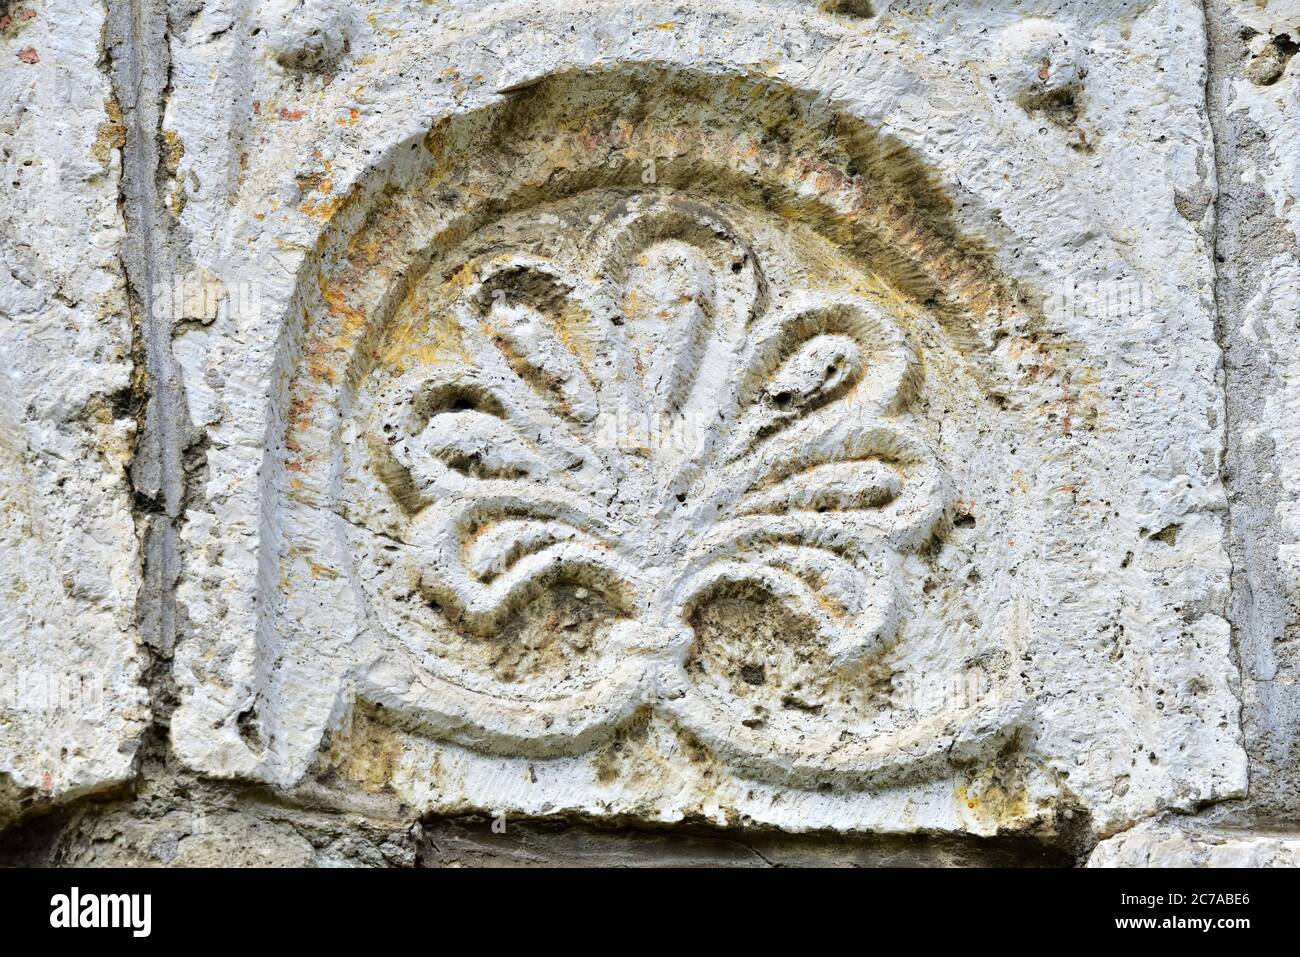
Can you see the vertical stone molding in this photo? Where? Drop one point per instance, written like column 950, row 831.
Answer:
column 71, row 707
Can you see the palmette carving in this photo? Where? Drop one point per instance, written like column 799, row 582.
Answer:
column 651, row 431
column 583, row 457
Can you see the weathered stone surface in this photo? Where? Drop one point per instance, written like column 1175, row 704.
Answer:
column 156, row 830
column 182, row 839
column 71, row 709
column 1173, row 844
column 1255, row 99
column 623, row 422
column 803, row 422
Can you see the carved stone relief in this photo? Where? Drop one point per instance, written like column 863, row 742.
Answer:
column 641, row 451
column 650, row 441
column 649, row 432
column 775, row 415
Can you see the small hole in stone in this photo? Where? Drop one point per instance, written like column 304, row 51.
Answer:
column 857, row 9
column 1168, row 534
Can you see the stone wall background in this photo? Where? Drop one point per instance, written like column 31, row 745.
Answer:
column 113, row 448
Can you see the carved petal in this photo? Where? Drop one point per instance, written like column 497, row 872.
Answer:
column 474, row 444
column 454, row 429
column 537, row 356
column 848, row 484
column 835, row 485
column 550, row 352
column 668, row 314
column 852, row 605
column 816, row 352
column 495, row 549
column 688, row 288
column 547, row 337
column 822, row 368
column 485, row 559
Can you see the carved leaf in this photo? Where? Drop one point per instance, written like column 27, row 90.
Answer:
column 662, row 436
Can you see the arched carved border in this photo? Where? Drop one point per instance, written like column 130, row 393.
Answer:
column 868, row 195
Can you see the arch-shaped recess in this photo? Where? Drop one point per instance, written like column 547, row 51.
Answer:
column 498, row 269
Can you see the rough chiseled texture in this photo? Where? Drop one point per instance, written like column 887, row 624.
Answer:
column 1170, row 844
column 820, row 417
column 1255, row 96
column 71, row 708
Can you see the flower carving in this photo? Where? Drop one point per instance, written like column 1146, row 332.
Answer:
column 664, row 427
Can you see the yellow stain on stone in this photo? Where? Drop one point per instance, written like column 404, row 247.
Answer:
column 373, row 20
column 351, row 318
column 995, row 796
column 111, row 134
column 322, row 210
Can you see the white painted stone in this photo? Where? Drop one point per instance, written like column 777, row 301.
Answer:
column 554, row 301
column 1271, row 321
column 1276, row 108
column 71, row 710
column 1169, row 843
column 1270, row 16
